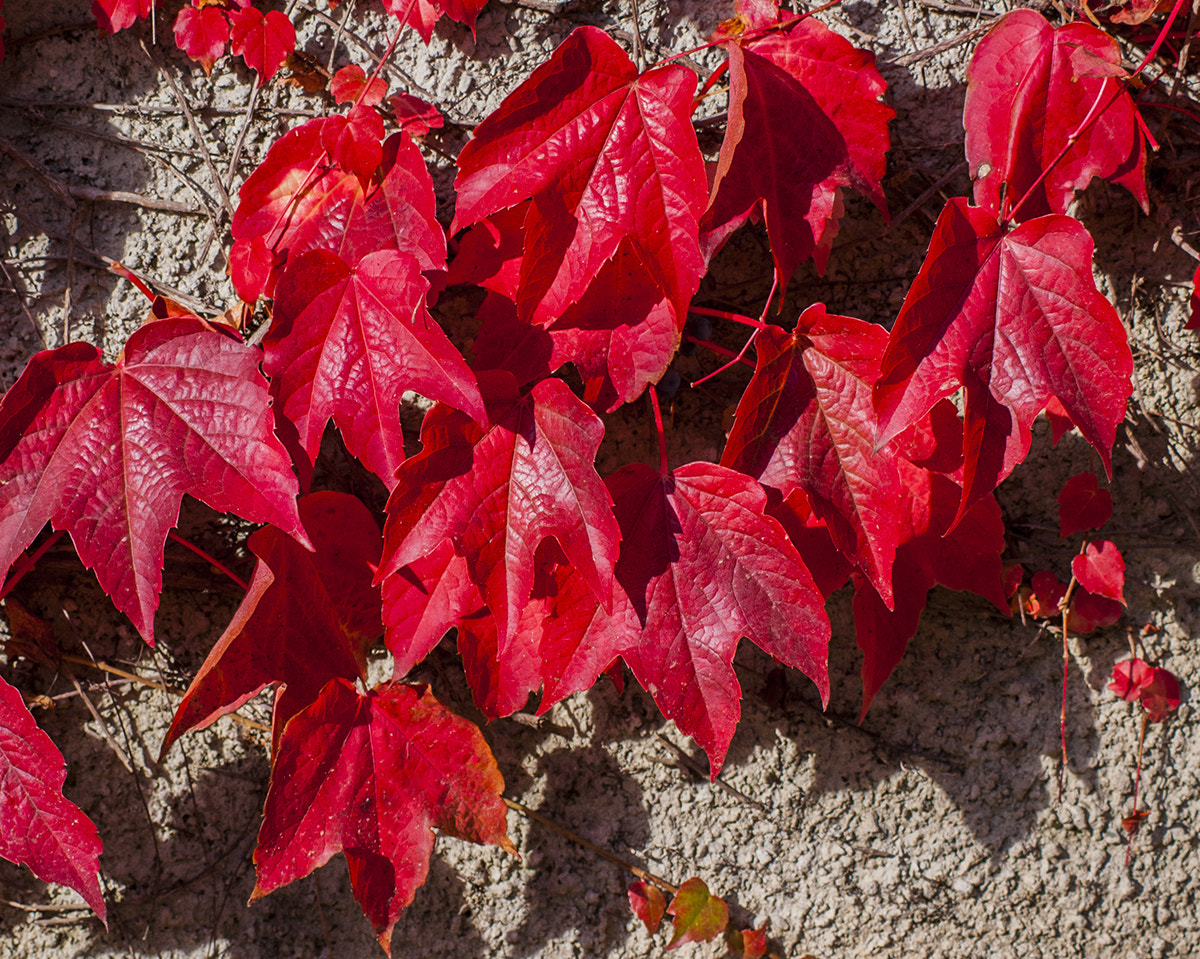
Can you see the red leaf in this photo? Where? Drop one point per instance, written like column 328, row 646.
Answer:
column 648, row 904
column 806, row 421
column 1026, row 98
column 39, row 827
column 349, row 85
column 422, row 15
column 114, row 15
column 699, row 915
column 747, row 943
column 1082, row 505
column 1161, row 695
column 413, row 115
column 345, row 343
column 353, row 142
column 497, row 493
column 1101, row 570
column 606, row 155
column 835, row 136
column 202, row 35
column 701, row 566
column 1087, row 612
column 1130, row 678
column 1193, row 322
column 307, row 618
column 372, row 776
column 107, row 452
column 263, row 41
column 296, row 202
column 1016, row 319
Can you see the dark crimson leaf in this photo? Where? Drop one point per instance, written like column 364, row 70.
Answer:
column 422, row 15
column 806, row 421
column 498, row 493
column 345, row 344
column 308, row 617
column 1161, row 696
column 413, row 115
column 698, row 915
column 39, row 827
column 202, row 35
column 297, row 201
column 606, row 155
column 107, row 452
column 1030, row 88
column 648, row 904
column 835, row 137
column 1082, row 505
column 701, row 566
column 262, row 40
column 372, row 776
column 1100, row 569
column 1016, row 319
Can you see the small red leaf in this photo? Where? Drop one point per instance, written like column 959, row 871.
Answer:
column 202, row 35
column 1130, row 677
column 648, row 904
column 747, row 943
column 114, row 15
column 108, row 452
column 422, row 15
column 413, row 115
column 1161, row 696
column 39, row 827
column 307, row 618
column 1082, row 505
column 1026, row 101
column 1101, row 570
column 345, row 344
column 262, row 41
column 372, row 776
column 698, row 915
column 350, row 85
column 353, row 142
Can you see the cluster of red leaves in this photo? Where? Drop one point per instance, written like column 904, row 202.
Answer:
column 589, row 222
column 1157, row 689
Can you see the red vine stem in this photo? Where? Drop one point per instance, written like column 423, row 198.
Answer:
column 662, row 436
column 25, row 562
column 1137, row 781
column 726, row 315
column 212, row 561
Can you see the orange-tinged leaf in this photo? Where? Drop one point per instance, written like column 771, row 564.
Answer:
column 698, row 915
column 648, row 904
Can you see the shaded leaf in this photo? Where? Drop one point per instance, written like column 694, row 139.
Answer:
column 1082, row 505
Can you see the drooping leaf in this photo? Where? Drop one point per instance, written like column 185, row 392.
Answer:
column 701, row 566
column 806, row 421
column 498, row 493
column 372, row 776
column 296, row 201
column 262, row 40
column 746, row 943
column 423, row 15
column 1016, row 319
column 1082, row 505
column 606, row 155
column 1100, row 569
column 345, row 343
column 1155, row 688
column 39, row 827
column 107, row 452
column 698, row 915
column 835, row 136
column 648, row 904
column 202, row 34
column 308, row 617
column 1030, row 89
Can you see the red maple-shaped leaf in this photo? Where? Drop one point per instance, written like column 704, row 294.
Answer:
column 39, row 827
column 1100, row 569
column 1016, row 319
column 262, row 40
column 107, row 452
column 806, row 421
column 1082, row 505
column 701, row 566
column 308, row 617
column 835, row 136
column 498, row 493
column 114, row 15
column 1030, row 90
column 202, row 34
column 372, row 776
column 423, row 15
column 697, row 914
column 297, row 201
column 606, row 155
column 345, row 343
